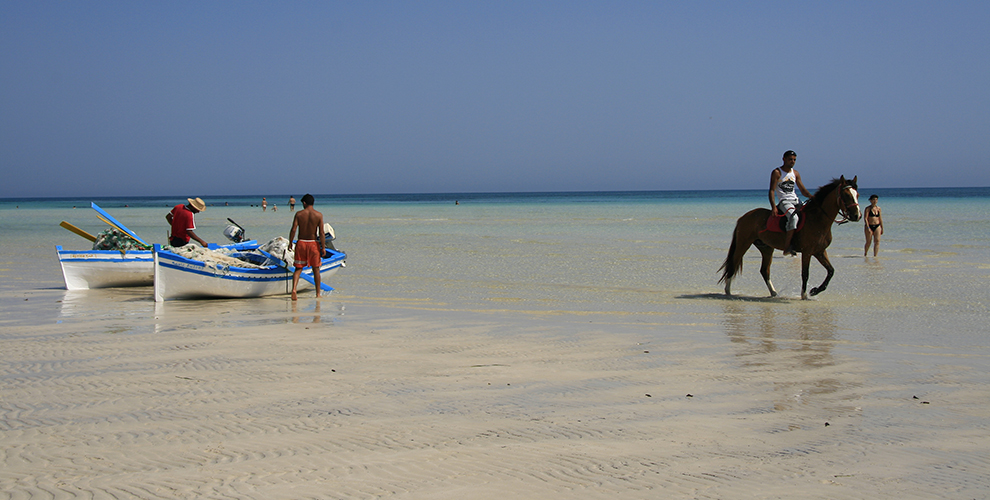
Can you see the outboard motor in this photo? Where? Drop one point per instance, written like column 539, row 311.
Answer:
column 234, row 232
column 328, row 236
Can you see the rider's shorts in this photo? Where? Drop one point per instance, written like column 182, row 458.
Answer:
column 789, row 209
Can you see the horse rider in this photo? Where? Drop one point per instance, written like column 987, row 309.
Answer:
column 783, row 199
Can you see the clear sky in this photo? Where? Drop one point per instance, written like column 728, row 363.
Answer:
column 109, row 98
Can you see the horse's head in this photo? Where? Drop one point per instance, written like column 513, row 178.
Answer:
column 849, row 198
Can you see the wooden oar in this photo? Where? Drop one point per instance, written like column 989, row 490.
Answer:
column 78, row 231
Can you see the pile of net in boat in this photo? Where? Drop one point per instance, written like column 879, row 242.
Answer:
column 278, row 248
column 112, row 239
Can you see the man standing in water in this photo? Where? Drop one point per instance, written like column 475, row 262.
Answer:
column 309, row 250
column 783, row 199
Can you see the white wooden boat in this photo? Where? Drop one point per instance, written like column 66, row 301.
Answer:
column 178, row 277
column 86, row 269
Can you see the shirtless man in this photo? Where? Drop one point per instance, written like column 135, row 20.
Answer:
column 783, row 199
column 309, row 250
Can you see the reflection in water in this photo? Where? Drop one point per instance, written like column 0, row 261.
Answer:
column 134, row 311
column 792, row 348
column 240, row 313
column 316, row 309
column 110, row 310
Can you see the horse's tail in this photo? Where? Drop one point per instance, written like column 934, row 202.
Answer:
column 732, row 265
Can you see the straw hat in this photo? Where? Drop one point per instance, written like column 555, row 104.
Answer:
column 197, row 204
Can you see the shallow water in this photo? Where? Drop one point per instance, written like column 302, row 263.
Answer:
column 637, row 260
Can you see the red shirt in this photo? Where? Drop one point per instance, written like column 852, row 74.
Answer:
column 182, row 221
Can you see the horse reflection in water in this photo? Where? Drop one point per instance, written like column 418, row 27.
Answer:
column 790, row 353
column 835, row 198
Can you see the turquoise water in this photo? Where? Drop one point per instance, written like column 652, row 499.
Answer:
column 639, row 258
column 622, row 256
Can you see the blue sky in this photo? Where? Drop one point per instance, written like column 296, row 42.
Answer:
column 168, row 98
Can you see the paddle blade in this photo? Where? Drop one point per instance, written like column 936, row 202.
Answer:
column 323, row 286
column 78, row 231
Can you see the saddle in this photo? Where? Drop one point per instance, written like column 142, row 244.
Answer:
column 778, row 223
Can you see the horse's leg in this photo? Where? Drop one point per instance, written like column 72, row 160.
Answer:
column 823, row 259
column 805, row 264
column 767, row 252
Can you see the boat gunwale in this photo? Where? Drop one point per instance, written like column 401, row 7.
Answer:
column 277, row 272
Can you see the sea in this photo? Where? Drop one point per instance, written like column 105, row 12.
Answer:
column 645, row 262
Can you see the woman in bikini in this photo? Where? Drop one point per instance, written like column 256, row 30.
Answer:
column 874, row 225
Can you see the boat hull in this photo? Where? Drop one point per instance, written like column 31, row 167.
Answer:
column 85, row 269
column 176, row 277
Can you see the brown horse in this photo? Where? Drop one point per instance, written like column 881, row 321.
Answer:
column 819, row 212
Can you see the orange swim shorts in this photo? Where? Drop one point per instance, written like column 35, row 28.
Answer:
column 307, row 254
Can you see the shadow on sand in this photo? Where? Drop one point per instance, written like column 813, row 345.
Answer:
column 741, row 298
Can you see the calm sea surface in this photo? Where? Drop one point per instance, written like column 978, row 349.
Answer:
column 640, row 260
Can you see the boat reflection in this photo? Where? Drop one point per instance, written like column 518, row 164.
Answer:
column 134, row 310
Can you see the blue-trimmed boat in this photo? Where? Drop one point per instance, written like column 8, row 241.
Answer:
column 179, row 277
column 86, row 269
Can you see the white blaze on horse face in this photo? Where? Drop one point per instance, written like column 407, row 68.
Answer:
column 855, row 196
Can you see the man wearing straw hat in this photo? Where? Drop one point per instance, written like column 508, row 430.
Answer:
column 183, row 224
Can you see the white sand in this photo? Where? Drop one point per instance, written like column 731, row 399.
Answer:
column 133, row 401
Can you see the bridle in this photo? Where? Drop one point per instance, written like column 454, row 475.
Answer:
column 849, row 206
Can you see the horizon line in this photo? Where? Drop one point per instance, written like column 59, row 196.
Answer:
column 440, row 193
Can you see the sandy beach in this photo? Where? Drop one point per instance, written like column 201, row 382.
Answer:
column 268, row 399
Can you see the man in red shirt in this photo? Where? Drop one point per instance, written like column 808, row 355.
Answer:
column 183, row 224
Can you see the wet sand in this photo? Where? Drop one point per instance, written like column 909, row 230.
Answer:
column 106, row 395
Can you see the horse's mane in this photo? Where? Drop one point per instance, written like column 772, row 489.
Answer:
column 818, row 198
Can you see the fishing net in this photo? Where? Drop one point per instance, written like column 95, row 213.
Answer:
column 112, row 239
column 277, row 248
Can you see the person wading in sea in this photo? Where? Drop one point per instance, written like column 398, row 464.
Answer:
column 873, row 221
column 309, row 250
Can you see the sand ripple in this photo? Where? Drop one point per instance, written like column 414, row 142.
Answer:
column 467, row 409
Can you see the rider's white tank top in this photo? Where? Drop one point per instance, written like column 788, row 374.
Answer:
column 784, row 190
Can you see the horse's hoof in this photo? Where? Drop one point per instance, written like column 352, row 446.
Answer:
column 815, row 291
